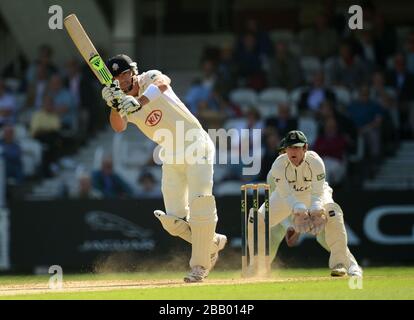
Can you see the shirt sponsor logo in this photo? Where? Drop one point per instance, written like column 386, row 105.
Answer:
column 153, row 118
column 300, row 189
column 320, row 176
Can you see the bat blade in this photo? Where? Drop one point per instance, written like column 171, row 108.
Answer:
column 86, row 48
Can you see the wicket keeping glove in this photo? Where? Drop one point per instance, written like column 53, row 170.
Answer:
column 301, row 219
column 112, row 94
column 318, row 219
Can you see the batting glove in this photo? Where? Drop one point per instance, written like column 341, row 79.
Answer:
column 112, row 94
column 128, row 105
column 318, row 220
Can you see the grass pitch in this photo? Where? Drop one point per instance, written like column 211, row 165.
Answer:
column 377, row 283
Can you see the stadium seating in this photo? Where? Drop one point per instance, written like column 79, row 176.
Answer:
column 269, row 99
column 243, row 97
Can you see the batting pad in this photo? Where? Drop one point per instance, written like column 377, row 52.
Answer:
column 178, row 227
column 175, row 226
column 336, row 237
column 202, row 221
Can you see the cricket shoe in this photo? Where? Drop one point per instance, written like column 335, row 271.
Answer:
column 197, row 274
column 220, row 242
column 355, row 271
column 339, row 270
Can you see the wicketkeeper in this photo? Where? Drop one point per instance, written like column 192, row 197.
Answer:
column 302, row 195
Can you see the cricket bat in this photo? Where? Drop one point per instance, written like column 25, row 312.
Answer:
column 87, row 49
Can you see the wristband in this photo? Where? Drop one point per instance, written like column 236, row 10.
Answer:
column 152, row 92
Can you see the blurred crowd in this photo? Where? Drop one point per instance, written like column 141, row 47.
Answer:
column 351, row 92
column 46, row 112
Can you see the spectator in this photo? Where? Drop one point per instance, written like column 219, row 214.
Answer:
column 110, row 184
column 335, row 18
column 320, row 41
column 214, row 111
column 401, row 79
column 284, row 68
column 44, row 61
column 82, row 95
column 262, row 38
column 253, row 120
column 344, row 124
column 209, row 76
column 148, row 187
column 367, row 116
column 403, row 82
column 227, row 71
column 249, row 63
column 8, row 107
column 246, row 143
column 385, row 39
column 378, row 88
column 16, row 69
column 45, row 127
column 386, row 98
column 37, row 89
column 84, row 189
column 312, row 98
column 74, row 77
column 63, row 101
column 284, row 122
column 270, row 154
column 331, row 145
column 45, row 120
column 91, row 101
column 12, row 155
column 201, row 88
column 347, row 69
column 390, row 125
column 409, row 47
column 210, row 117
column 366, row 45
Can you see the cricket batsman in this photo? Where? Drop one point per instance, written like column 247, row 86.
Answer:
column 148, row 101
column 303, row 197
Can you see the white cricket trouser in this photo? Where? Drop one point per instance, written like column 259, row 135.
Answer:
column 181, row 185
column 335, row 233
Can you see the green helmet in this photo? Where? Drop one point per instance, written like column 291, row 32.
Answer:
column 295, row 138
column 281, row 147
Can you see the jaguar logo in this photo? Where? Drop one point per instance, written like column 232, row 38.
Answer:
column 99, row 220
column 153, row 118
